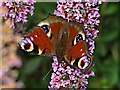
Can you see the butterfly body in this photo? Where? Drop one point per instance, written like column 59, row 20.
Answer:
column 56, row 36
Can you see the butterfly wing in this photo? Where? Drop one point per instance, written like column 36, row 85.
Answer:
column 77, row 53
column 44, row 38
column 56, row 36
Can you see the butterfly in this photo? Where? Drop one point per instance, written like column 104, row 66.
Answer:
column 57, row 36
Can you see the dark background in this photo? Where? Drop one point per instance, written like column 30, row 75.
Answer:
column 105, row 56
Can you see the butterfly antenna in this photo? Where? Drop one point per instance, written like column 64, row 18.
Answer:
column 47, row 74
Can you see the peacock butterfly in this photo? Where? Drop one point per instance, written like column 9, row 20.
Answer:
column 56, row 36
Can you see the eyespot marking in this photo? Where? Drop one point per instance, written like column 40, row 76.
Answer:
column 82, row 63
column 27, row 45
column 80, row 36
column 46, row 28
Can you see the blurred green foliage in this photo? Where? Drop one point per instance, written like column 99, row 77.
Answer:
column 105, row 57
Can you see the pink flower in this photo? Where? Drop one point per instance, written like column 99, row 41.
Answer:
column 17, row 10
column 67, row 77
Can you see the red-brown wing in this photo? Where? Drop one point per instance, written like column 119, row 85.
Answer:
column 78, row 49
column 77, row 53
column 56, row 24
column 44, row 37
column 41, row 40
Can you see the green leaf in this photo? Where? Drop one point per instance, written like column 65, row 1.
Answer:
column 49, row 7
column 109, row 36
column 31, row 66
column 111, row 9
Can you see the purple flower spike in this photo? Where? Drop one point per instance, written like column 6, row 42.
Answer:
column 17, row 10
column 66, row 77
column 86, row 12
